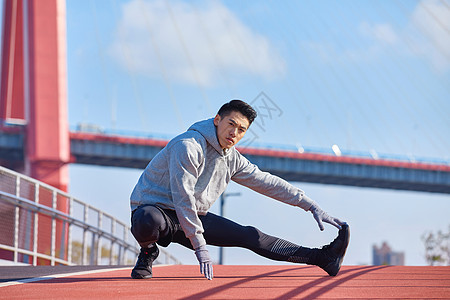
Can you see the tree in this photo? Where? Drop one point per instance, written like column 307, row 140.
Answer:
column 437, row 248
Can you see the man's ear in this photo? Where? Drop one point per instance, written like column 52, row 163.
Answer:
column 216, row 120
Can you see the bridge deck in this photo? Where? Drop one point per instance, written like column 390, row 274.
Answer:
column 230, row 282
column 349, row 169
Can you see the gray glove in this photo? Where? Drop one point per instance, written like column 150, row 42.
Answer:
column 206, row 267
column 322, row 216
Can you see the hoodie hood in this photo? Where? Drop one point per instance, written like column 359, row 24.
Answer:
column 208, row 130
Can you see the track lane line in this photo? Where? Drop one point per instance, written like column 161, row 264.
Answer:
column 47, row 277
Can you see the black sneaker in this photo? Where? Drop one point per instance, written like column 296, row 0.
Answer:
column 143, row 267
column 335, row 251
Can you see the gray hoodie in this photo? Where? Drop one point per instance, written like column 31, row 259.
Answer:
column 192, row 171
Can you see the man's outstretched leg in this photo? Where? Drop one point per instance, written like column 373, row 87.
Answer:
column 148, row 225
column 220, row 231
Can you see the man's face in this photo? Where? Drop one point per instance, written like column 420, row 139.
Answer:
column 231, row 128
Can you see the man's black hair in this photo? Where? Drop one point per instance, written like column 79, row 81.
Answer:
column 240, row 106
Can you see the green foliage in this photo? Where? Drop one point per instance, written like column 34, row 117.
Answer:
column 77, row 250
column 437, row 248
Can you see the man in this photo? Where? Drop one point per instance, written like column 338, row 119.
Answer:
column 170, row 202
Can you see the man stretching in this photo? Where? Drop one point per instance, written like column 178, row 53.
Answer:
column 170, row 202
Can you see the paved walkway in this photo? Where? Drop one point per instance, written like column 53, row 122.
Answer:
column 232, row 282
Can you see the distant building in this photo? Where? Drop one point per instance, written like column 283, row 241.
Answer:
column 385, row 256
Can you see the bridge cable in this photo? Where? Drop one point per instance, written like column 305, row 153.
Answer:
column 136, row 91
column 410, row 108
column 162, row 67
column 188, row 56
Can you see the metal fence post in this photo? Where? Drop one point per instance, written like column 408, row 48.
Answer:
column 53, row 237
column 16, row 222
column 36, row 225
column 69, row 233
column 113, row 231
column 125, row 249
column 92, row 254
column 99, row 244
column 84, row 245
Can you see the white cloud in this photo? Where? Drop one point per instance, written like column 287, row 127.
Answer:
column 425, row 36
column 371, row 43
column 191, row 44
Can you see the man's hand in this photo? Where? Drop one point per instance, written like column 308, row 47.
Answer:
column 321, row 216
column 205, row 262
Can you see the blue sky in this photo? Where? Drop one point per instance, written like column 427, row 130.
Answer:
column 364, row 75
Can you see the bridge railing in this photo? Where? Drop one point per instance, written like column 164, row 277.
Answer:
column 41, row 225
column 372, row 154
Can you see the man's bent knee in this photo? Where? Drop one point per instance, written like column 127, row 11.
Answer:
column 146, row 224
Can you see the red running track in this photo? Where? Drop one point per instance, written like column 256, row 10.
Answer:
column 243, row 282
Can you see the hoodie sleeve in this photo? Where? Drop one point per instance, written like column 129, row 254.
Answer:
column 249, row 175
column 184, row 161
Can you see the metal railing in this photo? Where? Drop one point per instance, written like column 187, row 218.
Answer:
column 43, row 225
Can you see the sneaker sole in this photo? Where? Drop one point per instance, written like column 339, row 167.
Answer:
column 333, row 268
column 139, row 276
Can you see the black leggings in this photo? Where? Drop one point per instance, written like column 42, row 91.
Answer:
column 151, row 224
